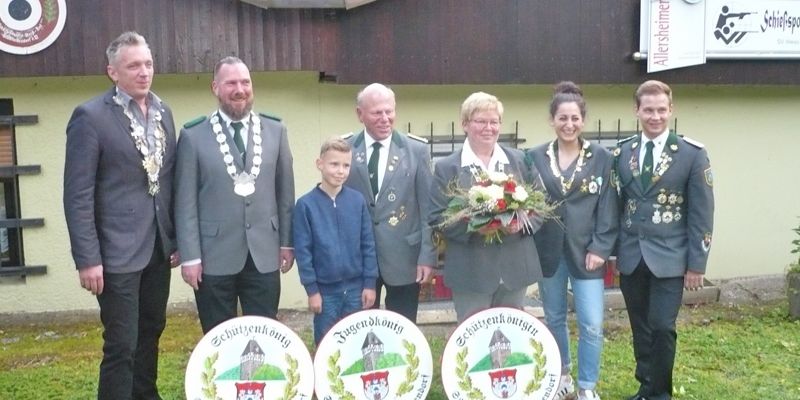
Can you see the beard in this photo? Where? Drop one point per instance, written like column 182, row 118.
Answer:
column 236, row 113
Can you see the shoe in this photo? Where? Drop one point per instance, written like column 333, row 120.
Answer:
column 584, row 394
column 565, row 388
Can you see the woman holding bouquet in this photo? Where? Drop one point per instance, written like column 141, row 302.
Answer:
column 490, row 258
column 576, row 175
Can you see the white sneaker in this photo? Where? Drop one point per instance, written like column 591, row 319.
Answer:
column 565, row 388
column 584, row 394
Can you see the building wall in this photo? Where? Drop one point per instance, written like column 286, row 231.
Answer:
column 748, row 130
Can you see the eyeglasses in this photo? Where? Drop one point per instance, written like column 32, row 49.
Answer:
column 494, row 123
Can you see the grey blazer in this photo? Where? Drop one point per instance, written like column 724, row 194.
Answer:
column 589, row 213
column 217, row 225
column 111, row 218
column 669, row 223
column 469, row 264
column 399, row 214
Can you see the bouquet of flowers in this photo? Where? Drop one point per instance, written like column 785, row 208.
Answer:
column 496, row 202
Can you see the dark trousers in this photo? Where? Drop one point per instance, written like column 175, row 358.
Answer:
column 653, row 305
column 402, row 299
column 133, row 309
column 217, row 298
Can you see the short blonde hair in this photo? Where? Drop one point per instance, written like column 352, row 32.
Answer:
column 480, row 101
column 652, row 87
column 334, row 144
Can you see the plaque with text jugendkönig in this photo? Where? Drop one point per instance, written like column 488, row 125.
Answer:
column 250, row 358
column 373, row 355
column 501, row 353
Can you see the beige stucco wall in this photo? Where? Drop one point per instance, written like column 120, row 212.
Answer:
column 749, row 132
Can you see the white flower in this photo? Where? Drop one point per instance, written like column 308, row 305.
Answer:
column 495, row 192
column 520, row 194
column 481, row 195
column 498, row 177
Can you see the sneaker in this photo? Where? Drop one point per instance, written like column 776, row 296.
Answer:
column 584, row 394
column 565, row 388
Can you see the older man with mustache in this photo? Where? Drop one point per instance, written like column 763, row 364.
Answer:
column 233, row 202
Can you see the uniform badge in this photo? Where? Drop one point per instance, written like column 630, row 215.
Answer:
column 656, row 217
column 592, row 185
column 631, row 206
column 391, row 196
column 677, row 217
column 706, row 242
column 709, row 177
column 360, row 157
column 628, row 222
column 662, row 197
column 672, row 198
column 634, row 145
column 393, row 163
column 673, row 147
column 398, row 215
column 666, row 217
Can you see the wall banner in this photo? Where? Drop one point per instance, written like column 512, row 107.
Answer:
column 679, row 33
column 675, row 27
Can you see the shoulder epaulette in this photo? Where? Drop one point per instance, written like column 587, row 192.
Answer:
column 347, row 135
column 417, row 138
column 693, row 142
column 194, row 122
column 621, row 141
column 272, row 117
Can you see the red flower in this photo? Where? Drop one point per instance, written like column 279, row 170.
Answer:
column 510, row 186
column 493, row 224
column 501, row 205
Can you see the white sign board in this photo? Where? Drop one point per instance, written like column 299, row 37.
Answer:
column 678, row 33
column 676, row 29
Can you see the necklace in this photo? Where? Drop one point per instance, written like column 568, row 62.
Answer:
column 244, row 183
column 151, row 161
column 566, row 184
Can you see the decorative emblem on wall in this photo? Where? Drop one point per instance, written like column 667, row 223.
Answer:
column 30, row 26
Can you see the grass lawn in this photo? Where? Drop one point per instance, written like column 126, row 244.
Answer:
column 724, row 352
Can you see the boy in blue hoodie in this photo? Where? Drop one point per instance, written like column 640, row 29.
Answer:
column 333, row 242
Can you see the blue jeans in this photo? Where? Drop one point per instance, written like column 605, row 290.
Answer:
column 588, row 299
column 335, row 306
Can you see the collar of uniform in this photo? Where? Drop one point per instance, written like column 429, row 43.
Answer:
column 368, row 140
column 658, row 141
column 227, row 120
column 468, row 157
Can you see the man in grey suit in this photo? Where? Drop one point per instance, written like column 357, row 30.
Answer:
column 665, row 184
column 392, row 172
column 234, row 199
column 120, row 155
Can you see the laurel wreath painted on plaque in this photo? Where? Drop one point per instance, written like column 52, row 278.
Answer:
column 292, row 379
column 207, row 377
column 50, row 10
column 464, row 381
column 538, row 374
column 336, row 383
column 412, row 371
